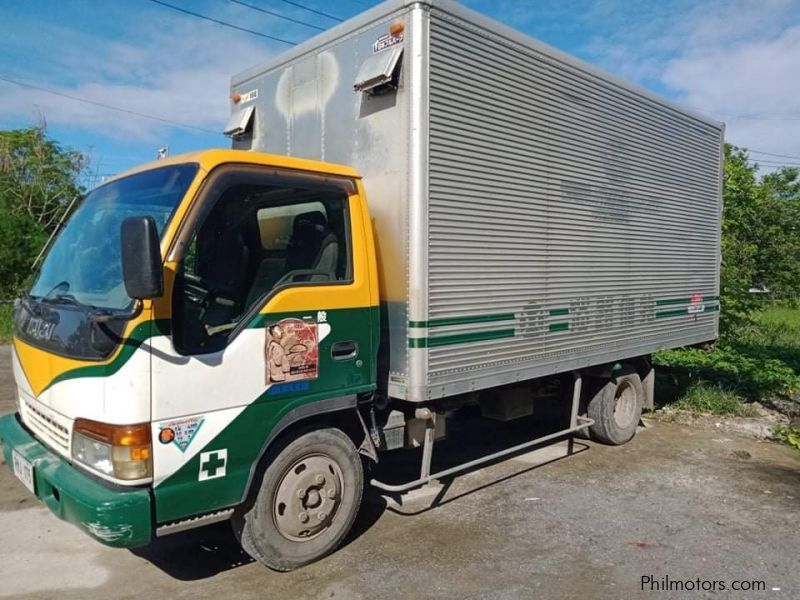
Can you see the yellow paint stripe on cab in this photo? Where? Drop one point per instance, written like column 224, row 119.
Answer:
column 42, row 367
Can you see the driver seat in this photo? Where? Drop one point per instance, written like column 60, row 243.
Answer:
column 312, row 246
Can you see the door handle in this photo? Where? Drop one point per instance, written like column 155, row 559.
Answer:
column 344, row 350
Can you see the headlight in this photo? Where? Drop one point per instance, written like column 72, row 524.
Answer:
column 119, row 451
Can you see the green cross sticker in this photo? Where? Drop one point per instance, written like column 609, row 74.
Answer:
column 212, row 464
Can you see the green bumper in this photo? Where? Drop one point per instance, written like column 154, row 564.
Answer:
column 115, row 517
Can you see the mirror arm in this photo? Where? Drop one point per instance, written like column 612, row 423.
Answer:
column 103, row 317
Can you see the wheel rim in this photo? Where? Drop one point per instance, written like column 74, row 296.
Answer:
column 308, row 496
column 624, row 405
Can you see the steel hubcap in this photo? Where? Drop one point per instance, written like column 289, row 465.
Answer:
column 624, row 405
column 309, row 494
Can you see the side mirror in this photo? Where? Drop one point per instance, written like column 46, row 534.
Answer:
column 141, row 258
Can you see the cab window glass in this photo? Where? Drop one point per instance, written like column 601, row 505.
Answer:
column 275, row 223
column 255, row 239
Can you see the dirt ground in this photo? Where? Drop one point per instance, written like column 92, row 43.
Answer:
column 678, row 502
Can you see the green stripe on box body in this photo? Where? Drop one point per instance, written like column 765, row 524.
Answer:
column 559, row 327
column 447, row 321
column 671, row 313
column 679, row 301
column 685, row 311
column 559, row 312
column 460, row 338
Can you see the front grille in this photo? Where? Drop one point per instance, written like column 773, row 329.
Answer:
column 45, row 426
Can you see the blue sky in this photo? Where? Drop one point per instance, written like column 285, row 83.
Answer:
column 736, row 60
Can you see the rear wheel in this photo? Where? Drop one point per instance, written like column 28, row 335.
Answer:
column 309, row 497
column 617, row 407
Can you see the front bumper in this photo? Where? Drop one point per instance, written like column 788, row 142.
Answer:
column 115, row 517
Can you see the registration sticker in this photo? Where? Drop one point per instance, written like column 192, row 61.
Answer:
column 180, row 432
column 696, row 304
column 23, row 469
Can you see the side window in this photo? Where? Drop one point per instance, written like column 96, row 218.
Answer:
column 256, row 238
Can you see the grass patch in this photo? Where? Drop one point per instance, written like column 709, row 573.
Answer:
column 706, row 398
column 6, row 324
column 754, row 374
column 781, row 321
column 762, row 362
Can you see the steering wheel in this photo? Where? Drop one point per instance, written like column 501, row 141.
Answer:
column 199, row 293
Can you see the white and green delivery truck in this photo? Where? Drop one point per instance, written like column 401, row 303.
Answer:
column 422, row 209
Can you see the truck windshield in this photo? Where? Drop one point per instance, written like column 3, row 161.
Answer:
column 83, row 266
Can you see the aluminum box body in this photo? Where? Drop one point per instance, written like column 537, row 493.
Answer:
column 533, row 214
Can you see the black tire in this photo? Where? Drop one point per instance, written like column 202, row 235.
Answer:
column 616, row 408
column 270, row 530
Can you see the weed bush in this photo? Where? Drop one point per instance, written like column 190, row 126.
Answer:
column 5, row 323
column 755, row 375
column 787, row 434
column 707, row 398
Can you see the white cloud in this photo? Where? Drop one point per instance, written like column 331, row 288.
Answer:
column 750, row 85
column 172, row 67
column 735, row 60
column 727, row 58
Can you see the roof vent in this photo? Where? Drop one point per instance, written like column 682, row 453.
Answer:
column 240, row 122
column 379, row 72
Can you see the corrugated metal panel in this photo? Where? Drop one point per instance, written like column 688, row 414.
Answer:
column 568, row 216
column 306, row 106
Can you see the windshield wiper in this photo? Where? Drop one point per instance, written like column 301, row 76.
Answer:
column 61, row 288
column 63, row 299
column 59, row 294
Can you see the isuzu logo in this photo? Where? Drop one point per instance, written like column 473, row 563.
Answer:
column 40, row 329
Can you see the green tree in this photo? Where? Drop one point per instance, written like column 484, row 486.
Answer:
column 38, row 187
column 741, row 226
column 778, row 256
column 783, row 184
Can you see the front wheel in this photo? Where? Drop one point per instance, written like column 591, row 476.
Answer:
column 309, row 497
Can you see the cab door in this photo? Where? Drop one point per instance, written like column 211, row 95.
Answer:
column 272, row 306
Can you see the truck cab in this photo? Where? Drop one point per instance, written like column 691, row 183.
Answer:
column 188, row 314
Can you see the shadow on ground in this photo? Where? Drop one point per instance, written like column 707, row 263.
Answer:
column 204, row 552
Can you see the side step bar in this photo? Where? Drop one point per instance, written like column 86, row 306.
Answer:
column 576, row 424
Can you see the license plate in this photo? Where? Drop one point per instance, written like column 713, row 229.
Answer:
column 23, row 469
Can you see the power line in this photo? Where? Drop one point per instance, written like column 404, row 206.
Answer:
column 313, row 10
column 218, row 22
column 102, row 105
column 274, row 14
column 775, row 163
column 752, row 151
column 754, row 118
